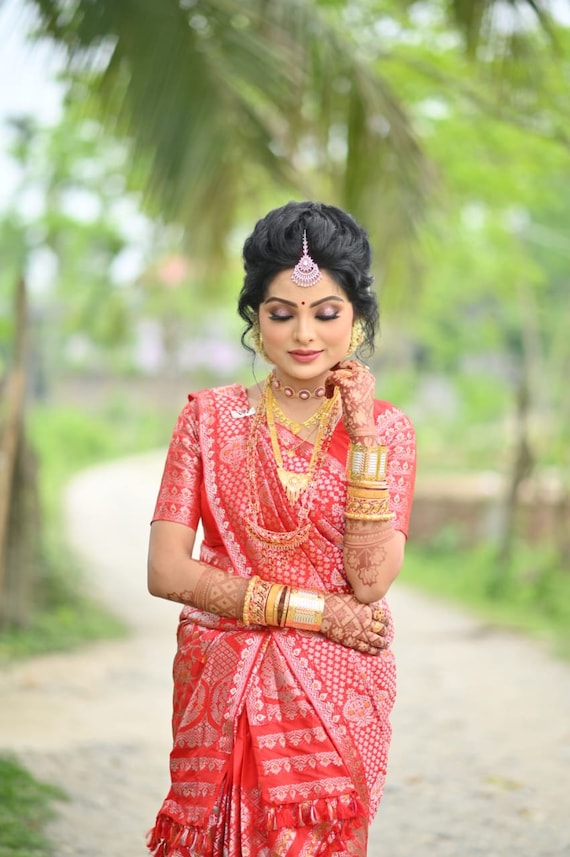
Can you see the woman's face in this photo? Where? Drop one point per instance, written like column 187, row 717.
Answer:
column 305, row 331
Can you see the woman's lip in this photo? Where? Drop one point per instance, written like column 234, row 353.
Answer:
column 304, row 356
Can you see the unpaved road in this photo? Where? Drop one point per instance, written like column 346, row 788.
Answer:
column 480, row 763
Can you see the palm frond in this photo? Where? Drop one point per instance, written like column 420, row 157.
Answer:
column 209, row 91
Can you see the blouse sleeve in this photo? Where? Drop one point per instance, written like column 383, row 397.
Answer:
column 397, row 433
column 179, row 495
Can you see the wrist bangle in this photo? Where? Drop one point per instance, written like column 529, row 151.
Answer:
column 272, row 605
column 258, row 601
column 366, row 465
column 247, row 600
column 305, row 610
column 379, row 492
column 368, row 509
column 284, row 606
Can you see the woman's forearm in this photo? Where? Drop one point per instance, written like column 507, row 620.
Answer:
column 373, row 557
column 174, row 575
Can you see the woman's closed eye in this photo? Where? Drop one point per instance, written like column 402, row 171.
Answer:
column 321, row 316
column 327, row 316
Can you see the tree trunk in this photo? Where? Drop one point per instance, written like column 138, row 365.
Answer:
column 521, row 470
column 19, row 508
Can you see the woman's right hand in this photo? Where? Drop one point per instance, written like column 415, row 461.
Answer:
column 353, row 624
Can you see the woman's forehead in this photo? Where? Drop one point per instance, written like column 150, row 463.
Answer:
column 282, row 286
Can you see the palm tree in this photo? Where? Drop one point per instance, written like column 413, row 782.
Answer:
column 217, row 96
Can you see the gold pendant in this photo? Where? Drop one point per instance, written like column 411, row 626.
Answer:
column 293, row 483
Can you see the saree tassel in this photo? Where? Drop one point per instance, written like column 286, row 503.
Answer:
column 167, row 836
column 310, row 812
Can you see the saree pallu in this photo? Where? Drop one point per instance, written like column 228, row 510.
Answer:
column 281, row 737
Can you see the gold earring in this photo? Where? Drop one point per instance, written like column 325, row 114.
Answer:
column 356, row 337
column 256, row 339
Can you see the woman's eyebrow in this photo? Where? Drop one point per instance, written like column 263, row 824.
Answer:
column 293, row 304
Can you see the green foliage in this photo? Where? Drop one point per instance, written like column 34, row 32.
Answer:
column 265, row 95
column 68, row 439
column 25, row 808
column 531, row 594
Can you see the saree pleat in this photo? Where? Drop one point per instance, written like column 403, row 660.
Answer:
column 281, row 737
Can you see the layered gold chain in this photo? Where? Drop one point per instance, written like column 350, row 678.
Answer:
column 296, row 483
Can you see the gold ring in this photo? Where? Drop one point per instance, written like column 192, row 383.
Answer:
column 376, row 627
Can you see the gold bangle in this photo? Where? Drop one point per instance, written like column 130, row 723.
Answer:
column 363, row 509
column 285, row 606
column 258, row 601
column 367, row 493
column 305, row 610
column 366, row 464
column 272, row 605
column 247, row 600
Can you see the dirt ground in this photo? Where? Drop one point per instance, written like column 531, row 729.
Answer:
column 480, row 762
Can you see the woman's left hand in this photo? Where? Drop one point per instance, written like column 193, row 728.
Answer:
column 356, row 384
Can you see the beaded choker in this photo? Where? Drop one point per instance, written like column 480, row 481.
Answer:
column 291, row 393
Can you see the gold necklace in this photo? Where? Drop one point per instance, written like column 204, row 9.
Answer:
column 295, row 427
column 296, row 484
column 274, row 542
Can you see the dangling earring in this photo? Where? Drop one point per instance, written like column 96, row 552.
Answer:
column 356, row 337
column 256, row 339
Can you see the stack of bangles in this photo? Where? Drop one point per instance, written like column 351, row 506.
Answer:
column 367, row 494
column 269, row 603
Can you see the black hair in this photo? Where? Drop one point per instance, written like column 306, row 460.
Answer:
column 337, row 243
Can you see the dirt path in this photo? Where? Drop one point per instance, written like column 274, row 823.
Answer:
column 480, row 763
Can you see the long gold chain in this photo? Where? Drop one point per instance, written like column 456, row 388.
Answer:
column 296, row 483
column 288, row 539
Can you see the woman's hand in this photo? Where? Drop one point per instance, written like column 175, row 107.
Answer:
column 356, row 384
column 349, row 622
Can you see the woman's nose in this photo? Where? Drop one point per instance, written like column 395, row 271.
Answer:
column 304, row 332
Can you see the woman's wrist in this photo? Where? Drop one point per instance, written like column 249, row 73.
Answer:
column 277, row 605
column 368, row 498
column 367, row 436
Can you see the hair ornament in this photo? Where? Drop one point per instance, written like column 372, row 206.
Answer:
column 306, row 272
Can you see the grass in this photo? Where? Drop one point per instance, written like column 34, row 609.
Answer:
column 530, row 595
column 26, row 806
column 66, row 439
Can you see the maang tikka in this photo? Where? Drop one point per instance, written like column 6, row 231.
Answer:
column 306, row 272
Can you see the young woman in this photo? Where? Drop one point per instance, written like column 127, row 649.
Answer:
column 284, row 679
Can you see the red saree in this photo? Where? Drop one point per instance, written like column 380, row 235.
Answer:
column 281, row 736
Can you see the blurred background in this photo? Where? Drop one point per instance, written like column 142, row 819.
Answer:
column 138, row 146
column 139, row 143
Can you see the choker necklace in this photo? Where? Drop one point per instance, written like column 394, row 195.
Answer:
column 317, row 393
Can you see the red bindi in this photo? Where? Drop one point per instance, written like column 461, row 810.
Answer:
column 302, row 303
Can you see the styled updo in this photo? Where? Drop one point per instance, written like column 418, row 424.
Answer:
column 337, row 243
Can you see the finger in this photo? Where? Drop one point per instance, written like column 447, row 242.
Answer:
column 366, row 648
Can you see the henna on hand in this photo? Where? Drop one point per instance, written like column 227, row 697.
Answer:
column 364, row 551
column 216, row 592
column 349, row 622
column 357, row 385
